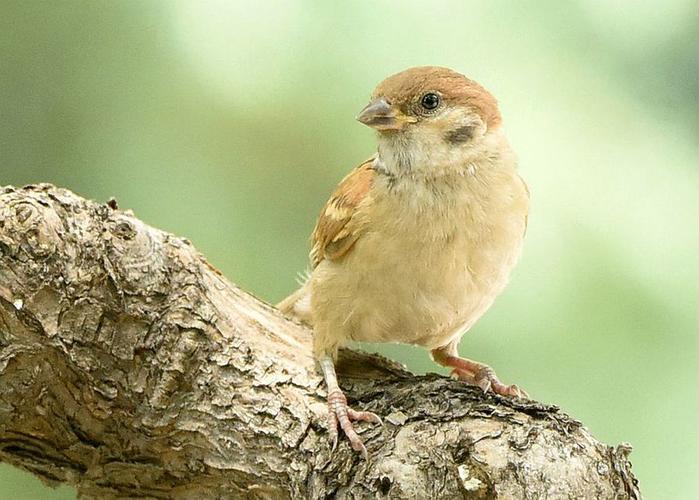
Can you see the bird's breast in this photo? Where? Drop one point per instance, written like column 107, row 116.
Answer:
column 432, row 261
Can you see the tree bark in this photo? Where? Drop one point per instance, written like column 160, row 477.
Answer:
column 130, row 367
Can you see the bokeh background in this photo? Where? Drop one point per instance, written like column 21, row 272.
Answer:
column 230, row 122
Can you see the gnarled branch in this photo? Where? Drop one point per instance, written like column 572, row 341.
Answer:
column 130, row 367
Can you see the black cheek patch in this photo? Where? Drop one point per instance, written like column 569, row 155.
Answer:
column 460, row 135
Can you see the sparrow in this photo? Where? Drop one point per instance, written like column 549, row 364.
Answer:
column 416, row 242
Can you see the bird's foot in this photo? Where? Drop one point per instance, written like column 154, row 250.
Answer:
column 340, row 413
column 485, row 378
column 476, row 373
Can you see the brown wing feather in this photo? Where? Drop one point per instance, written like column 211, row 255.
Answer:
column 342, row 219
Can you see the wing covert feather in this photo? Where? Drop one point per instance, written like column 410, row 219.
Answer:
column 344, row 216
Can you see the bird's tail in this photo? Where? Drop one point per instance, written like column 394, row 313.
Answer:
column 298, row 304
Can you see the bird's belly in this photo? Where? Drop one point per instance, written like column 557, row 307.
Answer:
column 425, row 292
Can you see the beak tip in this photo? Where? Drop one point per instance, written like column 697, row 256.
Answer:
column 378, row 114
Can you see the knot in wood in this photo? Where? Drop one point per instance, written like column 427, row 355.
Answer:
column 124, row 230
column 29, row 224
column 23, row 211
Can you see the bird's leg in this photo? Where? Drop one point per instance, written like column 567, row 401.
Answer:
column 340, row 413
column 476, row 373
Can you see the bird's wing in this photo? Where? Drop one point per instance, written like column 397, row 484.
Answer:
column 344, row 217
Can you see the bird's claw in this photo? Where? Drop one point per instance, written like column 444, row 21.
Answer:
column 340, row 413
column 486, row 379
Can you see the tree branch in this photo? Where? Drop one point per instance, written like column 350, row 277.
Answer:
column 130, row 367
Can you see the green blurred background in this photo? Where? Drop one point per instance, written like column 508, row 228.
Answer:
column 230, row 122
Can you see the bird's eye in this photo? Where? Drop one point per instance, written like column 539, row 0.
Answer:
column 430, row 101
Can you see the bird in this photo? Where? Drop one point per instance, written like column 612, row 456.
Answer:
column 415, row 243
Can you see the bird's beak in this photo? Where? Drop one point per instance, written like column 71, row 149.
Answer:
column 380, row 115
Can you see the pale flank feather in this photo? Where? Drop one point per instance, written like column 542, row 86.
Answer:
column 339, row 224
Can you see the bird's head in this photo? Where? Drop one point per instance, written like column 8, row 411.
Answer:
column 430, row 115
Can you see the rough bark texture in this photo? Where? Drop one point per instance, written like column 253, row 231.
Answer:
column 130, row 367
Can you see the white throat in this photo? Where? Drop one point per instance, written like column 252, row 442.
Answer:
column 426, row 155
